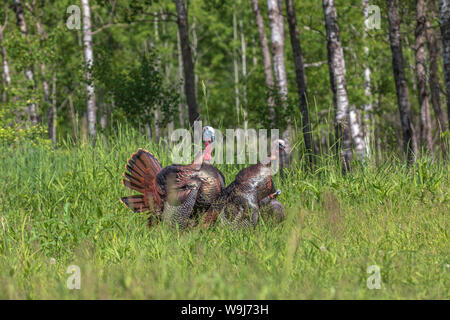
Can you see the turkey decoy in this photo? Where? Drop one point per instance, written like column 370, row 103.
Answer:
column 252, row 189
column 176, row 193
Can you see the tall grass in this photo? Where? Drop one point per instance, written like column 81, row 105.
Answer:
column 60, row 208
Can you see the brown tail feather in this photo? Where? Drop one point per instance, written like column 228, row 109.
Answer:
column 142, row 169
column 136, row 203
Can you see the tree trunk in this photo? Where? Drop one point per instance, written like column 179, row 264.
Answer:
column 189, row 79
column 157, row 108
column 267, row 62
column 300, row 77
column 367, row 107
column 444, row 17
column 336, row 65
column 236, row 68
column 167, row 70
column 277, row 47
column 421, row 73
column 6, row 74
column 89, row 60
column 73, row 117
column 29, row 74
column 434, row 49
column 52, row 113
column 45, row 84
column 409, row 143
column 194, row 50
column 180, row 76
column 244, row 71
column 357, row 134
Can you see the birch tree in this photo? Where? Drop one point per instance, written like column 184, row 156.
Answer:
column 244, row 70
column 236, row 66
column 336, row 65
column 52, row 112
column 157, row 111
column 356, row 132
column 409, row 143
column 300, row 76
column 421, row 73
column 180, row 78
column 29, row 73
column 5, row 65
column 89, row 61
column 267, row 61
column 277, row 47
column 189, row 80
column 444, row 17
column 367, row 107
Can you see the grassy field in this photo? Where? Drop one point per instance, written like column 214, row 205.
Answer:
column 60, row 208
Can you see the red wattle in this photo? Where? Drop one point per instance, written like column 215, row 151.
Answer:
column 207, row 155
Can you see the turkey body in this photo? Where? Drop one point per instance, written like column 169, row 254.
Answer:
column 176, row 193
column 240, row 202
column 175, row 179
column 251, row 191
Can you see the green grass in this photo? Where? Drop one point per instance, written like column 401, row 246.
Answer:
column 62, row 206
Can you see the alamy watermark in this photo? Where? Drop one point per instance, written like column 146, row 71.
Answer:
column 373, row 19
column 374, row 281
column 74, row 280
column 74, row 20
column 241, row 146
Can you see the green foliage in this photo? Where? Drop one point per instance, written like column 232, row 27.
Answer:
column 61, row 208
column 14, row 127
column 16, row 133
column 125, row 31
column 140, row 90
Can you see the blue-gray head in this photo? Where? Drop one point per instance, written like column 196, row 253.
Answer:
column 208, row 134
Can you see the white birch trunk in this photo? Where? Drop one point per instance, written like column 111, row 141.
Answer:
column 74, row 118
column 277, row 45
column 336, row 64
column 244, row 72
column 265, row 58
column 89, row 60
column 367, row 107
column 357, row 134
column 167, row 71
column 181, row 106
column 52, row 113
column 157, row 109
column 6, row 73
column 236, row 68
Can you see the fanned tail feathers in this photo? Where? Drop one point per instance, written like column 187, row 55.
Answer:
column 140, row 176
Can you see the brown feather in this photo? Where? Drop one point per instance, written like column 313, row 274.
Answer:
column 135, row 203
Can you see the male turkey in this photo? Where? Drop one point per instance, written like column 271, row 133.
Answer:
column 176, row 193
column 252, row 190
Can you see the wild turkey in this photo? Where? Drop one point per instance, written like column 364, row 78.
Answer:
column 252, row 190
column 271, row 209
column 176, row 193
